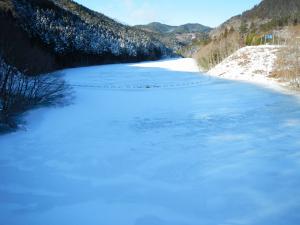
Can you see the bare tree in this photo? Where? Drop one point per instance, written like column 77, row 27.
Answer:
column 19, row 92
column 288, row 59
column 218, row 49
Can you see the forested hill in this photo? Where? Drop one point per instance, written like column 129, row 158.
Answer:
column 271, row 21
column 274, row 9
column 44, row 35
column 177, row 37
column 264, row 17
column 167, row 29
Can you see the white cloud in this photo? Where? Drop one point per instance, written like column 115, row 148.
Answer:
column 292, row 123
column 139, row 12
column 145, row 12
column 128, row 3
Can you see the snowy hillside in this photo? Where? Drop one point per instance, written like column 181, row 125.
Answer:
column 155, row 144
column 66, row 34
column 252, row 64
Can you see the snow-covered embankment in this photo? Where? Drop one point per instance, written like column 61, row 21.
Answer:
column 252, row 64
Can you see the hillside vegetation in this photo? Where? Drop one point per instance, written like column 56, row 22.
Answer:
column 182, row 39
column 253, row 27
column 167, row 29
column 61, row 33
column 288, row 60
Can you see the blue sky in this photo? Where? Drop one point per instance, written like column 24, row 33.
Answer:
column 173, row 12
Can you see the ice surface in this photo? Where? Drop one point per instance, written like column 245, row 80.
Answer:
column 155, row 144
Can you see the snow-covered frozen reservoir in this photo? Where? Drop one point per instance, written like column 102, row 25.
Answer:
column 155, row 144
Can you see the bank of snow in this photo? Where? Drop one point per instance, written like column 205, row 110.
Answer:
column 251, row 64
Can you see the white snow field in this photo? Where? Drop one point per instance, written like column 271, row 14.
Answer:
column 155, row 144
column 253, row 64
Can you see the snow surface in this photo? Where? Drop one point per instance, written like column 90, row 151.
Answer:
column 146, row 145
column 252, row 64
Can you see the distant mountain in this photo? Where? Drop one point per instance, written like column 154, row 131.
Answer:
column 44, row 35
column 157, row 28
column 192, row 28
column 177, row 37
column 167, row 29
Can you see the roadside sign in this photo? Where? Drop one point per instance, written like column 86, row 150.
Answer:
column 269, row 36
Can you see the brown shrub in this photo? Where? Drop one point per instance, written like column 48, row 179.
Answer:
column 288, row 59
column 217, row 50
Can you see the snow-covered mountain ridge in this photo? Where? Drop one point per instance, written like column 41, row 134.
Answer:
column 64, row 33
